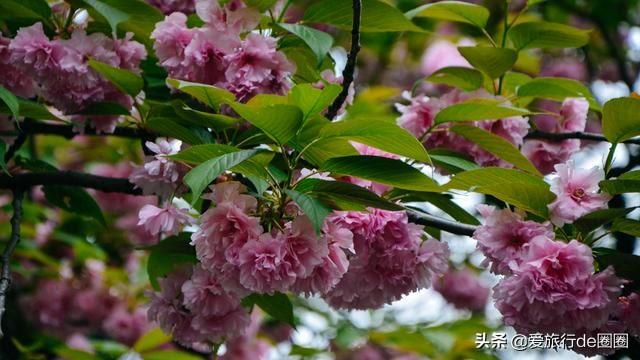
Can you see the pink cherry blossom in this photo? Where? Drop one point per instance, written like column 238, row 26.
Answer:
column 419, row 115
column 125, row 325
column 443, row 53
column 630, row 313
column 167, row 220
column 170, row 6
column 13, row 78
column 304, row 250
column 577, row 193
column 463, row 289
column 265, row 266
column 159, row 175
column 503, row 236
column 554, row 289
column 391, row 260
column 204, row 295
column 234, row 17
column 33, row 48
column 172, row 36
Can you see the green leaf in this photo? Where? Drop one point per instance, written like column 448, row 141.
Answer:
column 30, row 109
column 475, row 111
column 196, row 155
column 457, row 11
column 124, row 80
column 382, row 135
column 279, row 122
column 497, row 146
column 451, row 161
column 382, row 170
column 134, row 16
column 515, row 187
column 318, row 41
column 262, row 5
column 492, row 61
column 11, row 101
column 3, row 151
column 166, row 126
column 547, row 35
column 377, row 16
column 557, row 89
column 313, row 100
column 201, row 118
column 167, row 255
column 460, row 77
column 74, row 200
column 626, row 183
column 511, row 82
column 343, row 196
column 599, row 218
column 318, row 151
column 627, row 226
column 441, row 201
column 625, row 265
column 207, row 94
column 315, row 210
column 278, row 306
column 29, row 11
column 170, row 355
column 202, row 175
column 620, row 119
column 151, row 339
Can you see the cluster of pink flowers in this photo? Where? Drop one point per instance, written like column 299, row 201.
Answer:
column 418, row 117
column 64, row 78
column 14, row 78
column 463, row 289
column 545, row 154
column 84, row 305
column 170, row 6
column 391, row 259
column 159, row 175
column 549, row 285
column 215, row 53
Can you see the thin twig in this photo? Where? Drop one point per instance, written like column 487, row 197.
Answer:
column 5, row 278
column 350, row 68
column 69, row 178
column 573, row 135
column 38, row 127
column 439, row 223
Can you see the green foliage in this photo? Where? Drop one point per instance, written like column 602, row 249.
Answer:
column 278, row 306
column 124, row 80
column 202, row 175
column 311, row 100
column 529, row 35
column 626, row 183
column 377, row 16
column 74, row 200
column 378, row 134
column 492, row 61
column 168, row 255
column 520, row 189
column 460, row 77
column 497, row 146
column 279, row 122
column 620, row 119
column 477, row 110
column 457, row 11
column 625, row 265
column 343, row 196
column 150, row 340
column 318, row 41
column 557, row 89
column 382, row 170
column 11, row 101
column 599, row 218
column 315, row 210
column 207, row 94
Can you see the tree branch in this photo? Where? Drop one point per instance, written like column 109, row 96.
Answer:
column 5, row 278
column 439, row 223
column 66, row 131
column 69, row 178
column 350, row 68
column 573, row 135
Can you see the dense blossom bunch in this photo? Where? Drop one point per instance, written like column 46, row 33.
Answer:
column 546, row 154
column 159, row 175
column 216, row 54
column 463, row 289
column 171, row 6
column 61, row 70
column 419, row 115
column 67, row 307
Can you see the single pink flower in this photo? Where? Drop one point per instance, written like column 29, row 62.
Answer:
column 577, row 193
column 167, row 220
column 443, row 53
column 265, row 266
